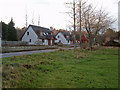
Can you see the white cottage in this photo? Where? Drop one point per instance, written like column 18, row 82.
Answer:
column 37, row 35
column 64, row 38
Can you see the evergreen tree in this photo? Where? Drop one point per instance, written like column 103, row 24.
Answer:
column 4, row 31
column 12, row 33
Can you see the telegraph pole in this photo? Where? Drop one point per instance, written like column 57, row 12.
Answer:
column 74, row 14
column 74, row 24
column 80, row 25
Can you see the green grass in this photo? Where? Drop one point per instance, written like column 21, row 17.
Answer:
column 63, row 69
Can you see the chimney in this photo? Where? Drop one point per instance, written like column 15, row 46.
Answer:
column 51, row 29
column 70, row 32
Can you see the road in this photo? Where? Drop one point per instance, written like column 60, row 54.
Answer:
column 5, row 55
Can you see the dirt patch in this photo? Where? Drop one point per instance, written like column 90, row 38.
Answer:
column 27, row 66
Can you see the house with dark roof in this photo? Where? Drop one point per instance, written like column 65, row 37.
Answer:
column 37, row 35
column 64, row 38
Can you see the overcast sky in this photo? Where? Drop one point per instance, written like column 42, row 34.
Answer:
column 50, row 11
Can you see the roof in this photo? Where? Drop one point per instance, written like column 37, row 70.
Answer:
column 66, row 34
column 84, row 38
column 38, row 29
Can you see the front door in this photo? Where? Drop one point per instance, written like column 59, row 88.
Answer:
column 53, row 42
column 49, row 42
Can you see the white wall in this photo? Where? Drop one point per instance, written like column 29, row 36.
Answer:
column 62, row 38
column 71, row 42
column 51, row 42
column 32, row 35
column 45, row 42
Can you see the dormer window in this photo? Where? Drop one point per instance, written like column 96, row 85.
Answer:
column 27, row 33
column 67, row 36
column 44, row 34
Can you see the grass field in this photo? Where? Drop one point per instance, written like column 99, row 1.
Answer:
column 63, row 69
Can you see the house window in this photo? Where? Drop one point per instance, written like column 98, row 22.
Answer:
column 67, row 36
column 30, row 40
column 42, row 40
column 68, row 41
column 58, row 36
column 59, row 41
column 27, row 33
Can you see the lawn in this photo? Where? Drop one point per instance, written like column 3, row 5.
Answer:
column 63, row 69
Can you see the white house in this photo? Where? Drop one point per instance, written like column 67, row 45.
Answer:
column 64, row 38
column 37, row 35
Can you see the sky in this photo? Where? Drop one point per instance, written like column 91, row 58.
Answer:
column 51, row 12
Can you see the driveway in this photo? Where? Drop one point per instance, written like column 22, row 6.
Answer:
column 4, row 55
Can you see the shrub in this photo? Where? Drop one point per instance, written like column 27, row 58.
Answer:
column 85, row 45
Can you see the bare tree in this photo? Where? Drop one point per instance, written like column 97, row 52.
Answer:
column 88, row 20
column 81, row 5
column 102, row 23
column 74, row 18
column 95, row 21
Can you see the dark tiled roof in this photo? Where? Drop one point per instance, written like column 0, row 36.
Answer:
column 38, row 29
column 67, row 34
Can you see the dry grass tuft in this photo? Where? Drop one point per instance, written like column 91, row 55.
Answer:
column 81, row 55
column 60, row 49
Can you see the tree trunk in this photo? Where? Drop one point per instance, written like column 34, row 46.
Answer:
column 74, row 24
column 80, row 26
column 90, row 42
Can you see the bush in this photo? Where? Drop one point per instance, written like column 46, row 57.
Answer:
column 112, row 43
column 85, row 45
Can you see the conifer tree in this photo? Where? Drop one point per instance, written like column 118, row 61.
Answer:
column 12, row 33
